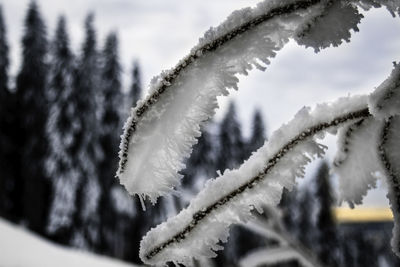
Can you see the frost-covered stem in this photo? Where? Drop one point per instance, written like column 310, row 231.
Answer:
column 394, row 185
column 169, row 79
column 346, row 142
column 272, row 162
column 279, row 231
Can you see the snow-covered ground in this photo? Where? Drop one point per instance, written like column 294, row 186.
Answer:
column 20, row 248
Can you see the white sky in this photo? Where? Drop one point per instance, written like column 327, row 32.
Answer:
column 160, row 32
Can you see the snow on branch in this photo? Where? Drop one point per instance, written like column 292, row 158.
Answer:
column 320, row 33
column 385, row 100
column 368, row 149
column 197, row 230
column 390, row 158
column 391, row 5
column 161, row 130
column 354, row 181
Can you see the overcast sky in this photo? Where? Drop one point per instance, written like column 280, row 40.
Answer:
column 160, row 32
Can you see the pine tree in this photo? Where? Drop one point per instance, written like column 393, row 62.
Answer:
column 8, row 147
column 258, row 135
column 305, row 214
column 231, row 152
column 63, row 131
column 31, row 101
column 110, row 125
column 86, row 220
column 135, row 92
column 327, row 238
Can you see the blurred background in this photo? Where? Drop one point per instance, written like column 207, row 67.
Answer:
column 69, row 73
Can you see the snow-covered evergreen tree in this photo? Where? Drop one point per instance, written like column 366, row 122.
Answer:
column 231, row 145
column 304, row 220
column 33, row 111
column 135, row 92
column 258, row 134
column 63, row 131
column 109, row 125
column 8, row 148
column 86, row 219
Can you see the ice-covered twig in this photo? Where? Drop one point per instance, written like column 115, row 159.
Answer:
column 332, row 27
column 385, row 100
column 266, row 228
column 357, row 160
column 390, row 158
column 161, row 130
column 272, row 256
column 346, row 134
column 391, row 5
column 273, row 228
column 257, row 182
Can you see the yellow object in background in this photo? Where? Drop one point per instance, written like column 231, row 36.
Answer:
column 345, row 214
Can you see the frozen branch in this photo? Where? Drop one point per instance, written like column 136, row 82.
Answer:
column 163, row 127
column 357, row 163
column 390, row 158
column 194, row 235
column 287, row 249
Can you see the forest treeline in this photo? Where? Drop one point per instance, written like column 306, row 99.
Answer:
column 60, row 127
